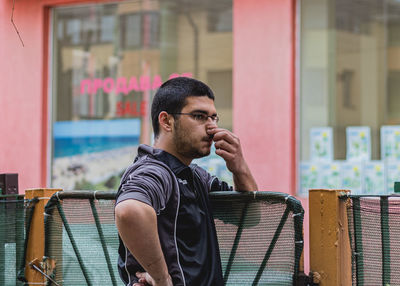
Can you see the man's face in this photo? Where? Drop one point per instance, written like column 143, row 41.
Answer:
column 190, row 135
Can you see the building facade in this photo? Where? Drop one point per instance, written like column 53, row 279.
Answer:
column 311, row 87
column 86, row 72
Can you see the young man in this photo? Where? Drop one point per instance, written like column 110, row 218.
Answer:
column 163, row 215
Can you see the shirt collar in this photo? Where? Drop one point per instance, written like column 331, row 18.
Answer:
column 171, row 161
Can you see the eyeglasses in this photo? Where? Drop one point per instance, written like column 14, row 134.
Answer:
column 200, row 117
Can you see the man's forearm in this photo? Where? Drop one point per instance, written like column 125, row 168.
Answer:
column 137, row 226
column 244, row 180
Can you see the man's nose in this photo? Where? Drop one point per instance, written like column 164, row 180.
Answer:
column 211, row 123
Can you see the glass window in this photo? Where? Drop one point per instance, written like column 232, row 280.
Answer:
column 107, row 28
column 220, row 20
column 131, row 28
column 108, row 61
column 349, row 95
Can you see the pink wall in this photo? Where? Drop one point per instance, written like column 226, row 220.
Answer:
column 21, row 100
column 263, row 90
column 264, row 97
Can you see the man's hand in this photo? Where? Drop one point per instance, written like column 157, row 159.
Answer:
column 146, row 279
column 228, row 146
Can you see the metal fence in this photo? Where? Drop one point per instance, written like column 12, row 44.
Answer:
column 374, row 229
column 259, row 233
column 15, row 218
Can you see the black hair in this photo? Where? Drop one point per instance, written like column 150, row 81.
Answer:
column 171, row 97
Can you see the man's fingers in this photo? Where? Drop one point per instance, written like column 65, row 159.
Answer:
column 214, row 130
column 227, row 141
column 224, row 134
column 142, row 278
column 228, row 137
column 222, row 144
column 224, row 154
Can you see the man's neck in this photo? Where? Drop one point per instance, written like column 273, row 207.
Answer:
column 170, row 148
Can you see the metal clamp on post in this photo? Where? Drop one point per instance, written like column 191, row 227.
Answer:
column 46, row 268
column 312, row 279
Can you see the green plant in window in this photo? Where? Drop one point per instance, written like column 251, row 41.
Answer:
column 313, row 177
column 309, row 178
column 363, row 140
column 356, row 149
column 320, row 149
column 397, row 145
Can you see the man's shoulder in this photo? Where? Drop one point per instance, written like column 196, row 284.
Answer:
column 148, row 163
column 143, row 168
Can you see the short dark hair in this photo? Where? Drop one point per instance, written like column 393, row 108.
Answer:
column 171, row 97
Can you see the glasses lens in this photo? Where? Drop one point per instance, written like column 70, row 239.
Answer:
column 203, row 118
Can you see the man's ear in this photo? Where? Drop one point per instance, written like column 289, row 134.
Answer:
column 165, row 121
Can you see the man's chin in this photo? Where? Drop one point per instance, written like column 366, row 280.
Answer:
column 203, row 153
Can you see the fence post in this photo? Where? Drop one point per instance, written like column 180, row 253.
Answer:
column 330, row 253
column 36, row 236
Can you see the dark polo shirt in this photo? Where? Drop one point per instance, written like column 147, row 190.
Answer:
column 196, row 235
column 195, row 240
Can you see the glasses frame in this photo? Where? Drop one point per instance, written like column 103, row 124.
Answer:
column 214, row 118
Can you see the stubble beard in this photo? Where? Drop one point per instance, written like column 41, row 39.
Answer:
column 185, row 144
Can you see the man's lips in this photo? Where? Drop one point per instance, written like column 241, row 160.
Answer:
column 208, row 139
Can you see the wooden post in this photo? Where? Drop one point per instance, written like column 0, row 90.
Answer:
column 36, row 236
column 330, row 253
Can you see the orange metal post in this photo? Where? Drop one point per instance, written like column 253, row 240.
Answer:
column 36, row 236
column 330, row 253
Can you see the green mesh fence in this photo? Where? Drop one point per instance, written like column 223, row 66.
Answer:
column 374, row 229
column 260, row 237
column 15, row 217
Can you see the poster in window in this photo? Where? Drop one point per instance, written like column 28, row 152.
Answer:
column 309, row 177
column 92, row 154
column 330, row 175
column 321, row 140
column 351, row 173
column 358, row 143
column 374, row 178
column 390, row 142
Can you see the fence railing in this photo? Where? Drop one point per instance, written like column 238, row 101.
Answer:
column 354, row 239
column 15, row 218
column 374, row 229
column 69, row 238
column 260, row 237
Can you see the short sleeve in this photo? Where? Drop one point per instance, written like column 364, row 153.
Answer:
column 151, row 185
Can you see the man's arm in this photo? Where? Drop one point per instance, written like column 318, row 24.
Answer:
column 137, row 227
column 228, row 146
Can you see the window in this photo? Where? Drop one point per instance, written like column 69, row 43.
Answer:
column 108, row 61
column 140, row 30
column 220, row 20
column 349, row 95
